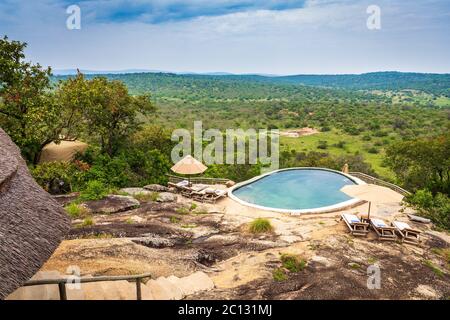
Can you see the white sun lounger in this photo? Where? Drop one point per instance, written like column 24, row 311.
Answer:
column 407, row 234
column 383, row 231
column 355, row 225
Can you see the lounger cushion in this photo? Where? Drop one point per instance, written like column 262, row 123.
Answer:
column 221, row 192
column 183, row 183
column 401, row 225
column 351, row 218
column 378, row 223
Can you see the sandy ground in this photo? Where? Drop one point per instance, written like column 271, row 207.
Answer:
column 156, row 238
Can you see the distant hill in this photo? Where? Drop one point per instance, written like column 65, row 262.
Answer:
column 171, row 84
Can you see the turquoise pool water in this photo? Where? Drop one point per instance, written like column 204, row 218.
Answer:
column 296, row 189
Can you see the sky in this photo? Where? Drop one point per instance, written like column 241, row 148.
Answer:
column 236, row 36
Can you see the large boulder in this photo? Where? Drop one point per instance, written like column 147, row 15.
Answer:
column 167, row 197
column 32, row 224
column 112, row 204
column 156, row 188
column 135, row 191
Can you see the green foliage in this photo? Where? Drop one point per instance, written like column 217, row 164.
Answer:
column 95, row 190
column 279, row 274
column 437, row 271
column 87, row 222
column 175, row 219
column 75, row 211
column 145, row 197
column 422, row 163
column 260, row 225
column 28, row 112
column 435, row 207
column 293, row 263
column 57, row 177
column 183, row 210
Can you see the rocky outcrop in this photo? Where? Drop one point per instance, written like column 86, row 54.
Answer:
column 166, row 197
column 156, row 188
column 32, row 224
column 111, row 204
column 135, row 191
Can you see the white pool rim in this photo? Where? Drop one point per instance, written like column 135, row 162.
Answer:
column 335, row 207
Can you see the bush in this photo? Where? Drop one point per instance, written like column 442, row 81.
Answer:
column 322, row 145
column 95, row 190
column 76, row 211
column 279, row 274
column 260, row 225
column 293, row 263
column 87, row 222
column 57, row 177
column 436, row 208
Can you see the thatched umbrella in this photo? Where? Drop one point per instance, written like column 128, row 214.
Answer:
column 189, row 166
column 32, row 224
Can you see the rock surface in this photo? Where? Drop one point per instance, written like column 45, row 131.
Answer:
column 135, row 191
column 166, row 197
column 156, row 188
column 112, row 204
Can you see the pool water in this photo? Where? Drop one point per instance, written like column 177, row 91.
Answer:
column 296, row 189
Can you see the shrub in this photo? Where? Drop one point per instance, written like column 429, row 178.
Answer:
column 260, row 225
column 57, row 177
column 373, row 150
column 434, row 268
column 174, row 219
column 87, row 222
column 279, row 274
column 95, row 190
column 293, row 263
column 76, row 211
column 182, row 210
column 322, row 145
column 144, row 197
column 436, row 208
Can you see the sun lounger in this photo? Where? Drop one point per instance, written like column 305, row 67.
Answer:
column 183, row 188
column 407, row 234
column 209, row 195
column 383, row 231
column 355, row 225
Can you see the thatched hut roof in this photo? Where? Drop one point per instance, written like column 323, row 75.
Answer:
column 63, row 151
column 31, row 222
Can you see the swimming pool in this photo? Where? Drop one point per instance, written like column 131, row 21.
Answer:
column 296, row 190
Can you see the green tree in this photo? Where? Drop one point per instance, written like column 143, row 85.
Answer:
column 422, row 163
column 112, row 113
column 28, row 112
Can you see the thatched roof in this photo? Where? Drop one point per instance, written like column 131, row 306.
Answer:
column 31, row 222
column 63, row 151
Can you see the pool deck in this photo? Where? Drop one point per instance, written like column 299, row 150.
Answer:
column 290, row 227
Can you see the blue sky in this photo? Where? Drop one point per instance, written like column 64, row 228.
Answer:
column 238, row 36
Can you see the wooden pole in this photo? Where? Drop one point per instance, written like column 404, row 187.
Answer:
column 62, row 291
column 138, row 289
column 368, row 214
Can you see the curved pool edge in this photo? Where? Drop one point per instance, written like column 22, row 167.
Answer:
column 327, row 209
